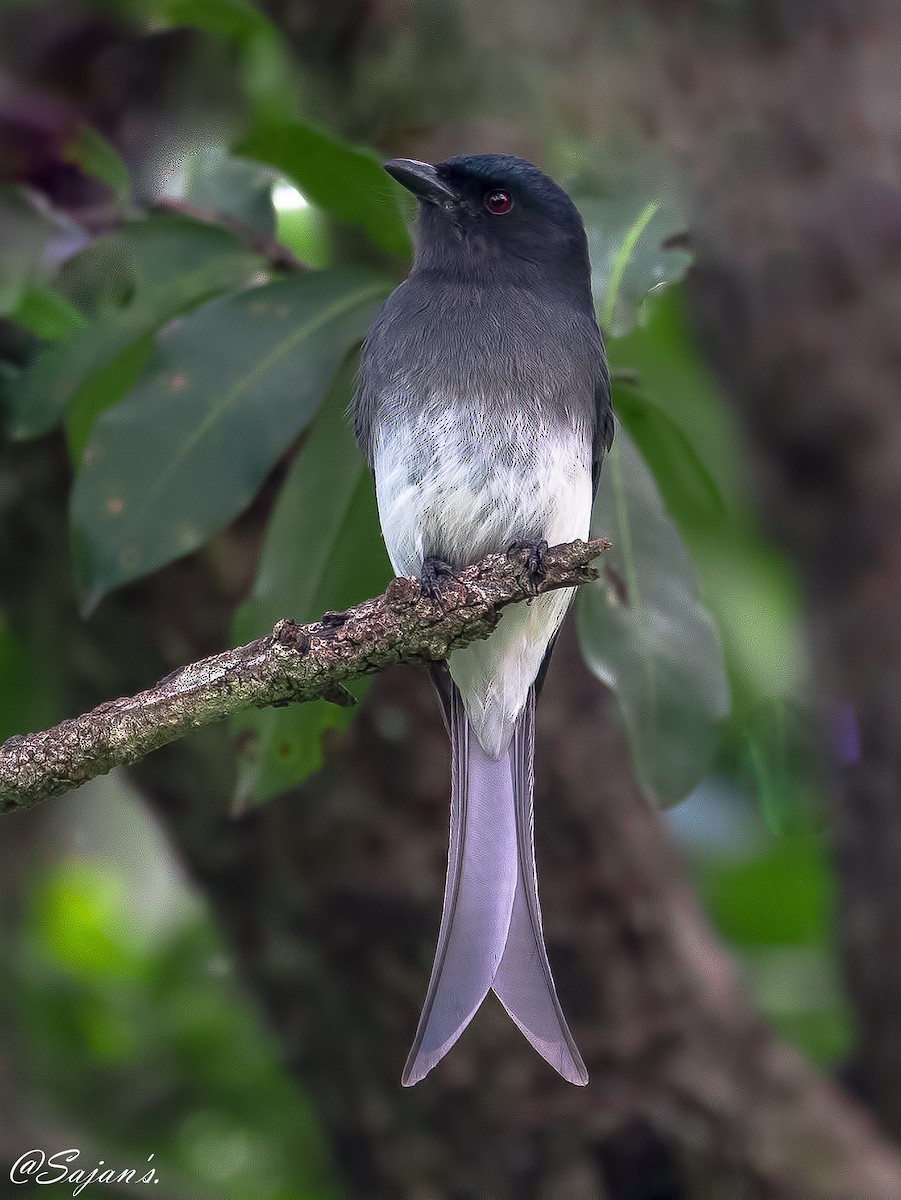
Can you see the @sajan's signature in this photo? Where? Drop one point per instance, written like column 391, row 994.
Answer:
column 35, row 1166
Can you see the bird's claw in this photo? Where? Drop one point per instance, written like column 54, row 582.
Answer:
column 537, row 548
column 433, row 571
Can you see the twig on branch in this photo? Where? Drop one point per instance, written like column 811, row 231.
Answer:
column 296, row 662
column 280, row 258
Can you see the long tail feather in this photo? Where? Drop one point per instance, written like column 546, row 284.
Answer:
column 523, row 981
column 491, row 933
column 482, row 872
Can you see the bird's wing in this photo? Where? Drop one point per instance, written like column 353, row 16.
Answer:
column 603, row 428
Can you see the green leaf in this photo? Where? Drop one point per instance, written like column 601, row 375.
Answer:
column 102, row 390
column 622, row 257
column 774, row 906
column 688, row 489
column 103, row 277
column 24, row 234
column 323, row 552
column 266, row 67
column 663, row 357
column 304, row 229
column 628, row 241
column 784, row 747
column 230, row 18
column 344, row 181
column 97, row 157
column 798, row 989
column 163, row 266
column 779, row 898
column 102, row 985
column 645, row 633
column 218, row 183
column 267, row 73
column 48, row 314
column 746, row 586
column 225, row 395
column 22, row 706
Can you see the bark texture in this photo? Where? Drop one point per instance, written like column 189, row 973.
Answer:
column 297, row 662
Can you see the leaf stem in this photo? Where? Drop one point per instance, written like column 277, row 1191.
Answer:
column 621, row 260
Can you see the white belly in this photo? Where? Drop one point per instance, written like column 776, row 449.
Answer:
column 458, row 483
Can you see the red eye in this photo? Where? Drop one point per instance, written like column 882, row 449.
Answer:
column 498, row 202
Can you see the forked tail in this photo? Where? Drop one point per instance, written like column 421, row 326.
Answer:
column 491, row 933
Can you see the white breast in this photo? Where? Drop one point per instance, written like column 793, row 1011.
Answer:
column 458, row 481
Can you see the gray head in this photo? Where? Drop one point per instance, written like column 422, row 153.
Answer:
column 498, row 217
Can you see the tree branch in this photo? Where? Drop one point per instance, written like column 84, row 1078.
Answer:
column 280, row 258
column 296, row 662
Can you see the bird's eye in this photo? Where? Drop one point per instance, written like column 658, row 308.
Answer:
column 498, row 202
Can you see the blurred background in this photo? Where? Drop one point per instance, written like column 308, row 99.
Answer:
column 217, row 959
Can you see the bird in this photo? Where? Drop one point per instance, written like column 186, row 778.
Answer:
column 483, row 407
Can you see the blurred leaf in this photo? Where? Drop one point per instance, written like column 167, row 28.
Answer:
column 103, row 277
column 800, row 995
column 785, row 755
column 225, row 395
column 266, row 66
column 25, row 231
column 346, row 182
column 779, row 898
column 101, row 390
column 302, row 227
column 48, row 314
column 8, row 375
column 82, row 910
column 232, row 187
column 230, row 18
column 97, row 157
column 645, row 633
column 621, row 259
column 267, row 73
column 22, row 708
column 145, row 1043
column 175, row 263
column 323, row 552
column 688, row 489
column 628, row 241
column 774, row 906
column 669, row 370
column 744, row 582
column 686, row 435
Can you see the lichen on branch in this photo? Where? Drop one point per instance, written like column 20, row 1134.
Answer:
column 294, row 663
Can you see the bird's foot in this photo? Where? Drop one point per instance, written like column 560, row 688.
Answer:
column 433, row 571
column 537, row 548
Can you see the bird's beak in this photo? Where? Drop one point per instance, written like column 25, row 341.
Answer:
column 421, row 179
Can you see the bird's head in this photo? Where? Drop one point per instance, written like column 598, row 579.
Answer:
column 497, row 217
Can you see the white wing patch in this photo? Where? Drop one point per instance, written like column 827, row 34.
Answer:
column 458, row 481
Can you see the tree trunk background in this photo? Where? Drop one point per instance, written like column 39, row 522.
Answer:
column 331, row 898
column 798, row 294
